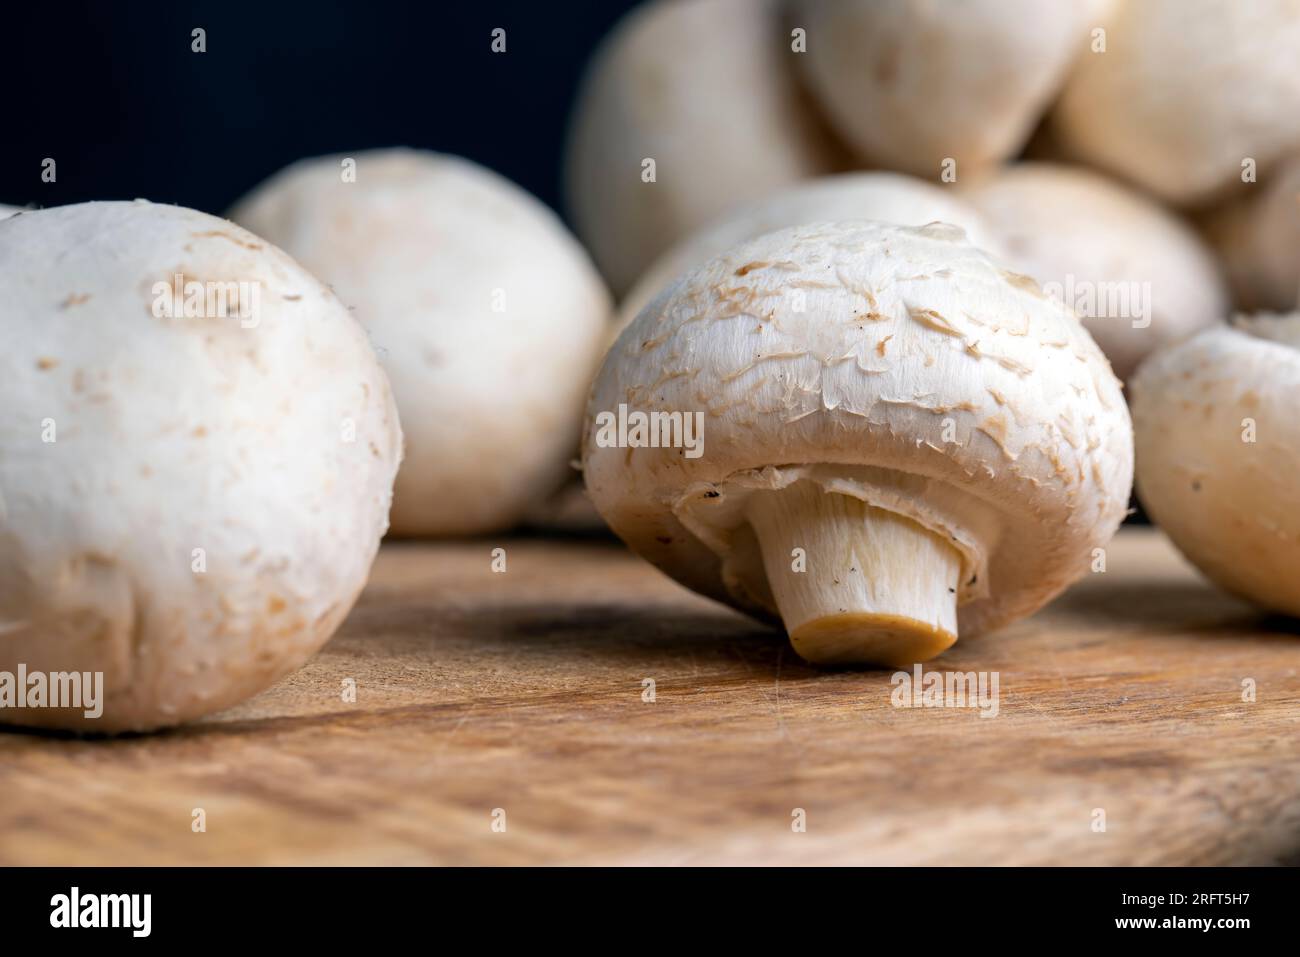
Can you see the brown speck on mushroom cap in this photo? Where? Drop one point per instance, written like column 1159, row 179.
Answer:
column 1023, row 486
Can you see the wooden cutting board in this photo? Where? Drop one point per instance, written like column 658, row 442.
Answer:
column 523, row 694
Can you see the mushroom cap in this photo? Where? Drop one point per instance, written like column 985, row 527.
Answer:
column 487, row 315
column 129, row 441
column 1231, row 506
column 1185, row 91
column 910, row 84
column 885, row 197
column 1135, row 274
column 899, row 365
column 1258, row 239
column 7, row 211
column 705, row 89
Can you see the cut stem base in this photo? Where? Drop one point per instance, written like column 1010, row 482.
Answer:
column 872, row 587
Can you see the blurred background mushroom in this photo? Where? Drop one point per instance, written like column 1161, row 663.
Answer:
column 1186, row 93
column 1136, row 274
column 914, row 85
column 755, row 116
column 488, row 316
column 686, row 109
column 1258, row 238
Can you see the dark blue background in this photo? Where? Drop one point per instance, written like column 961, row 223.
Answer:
column 113, row 93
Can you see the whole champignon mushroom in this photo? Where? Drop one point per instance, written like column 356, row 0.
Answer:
column 487, row 314
column 1258, row 239
column 1185, row 91
column 1218, row 443
column 886, row 197
column 1135, row 274
column 910, row 84
column 705, row 89
column 940, row 444
column 190, row 499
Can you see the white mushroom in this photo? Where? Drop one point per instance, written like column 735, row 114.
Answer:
column 190, row 498
column 911, row 84
column 887, row 197
column 1258, row 239
column 705, row 90
column 897, row 439
column 1185, row 92
column 1218, row 444
column 486, row 313
column 1137, row 275
column 7, row 211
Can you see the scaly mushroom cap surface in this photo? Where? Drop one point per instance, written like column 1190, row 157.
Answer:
column 706, row 90
column 885, row 197
column 939, row 438
column 1218, row 443
column 487, row 315
column 911, row 83
column 1136, row 275
column 1185, row 91
column 1258, row 239
column 188, row 504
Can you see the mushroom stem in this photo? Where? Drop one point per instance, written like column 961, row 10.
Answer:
column 876, row 588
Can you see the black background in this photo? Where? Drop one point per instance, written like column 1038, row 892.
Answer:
column 112, row 91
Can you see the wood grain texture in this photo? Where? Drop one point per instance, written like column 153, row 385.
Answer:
column 523, row 691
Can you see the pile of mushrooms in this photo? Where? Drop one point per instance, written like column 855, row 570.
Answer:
column 809, row 88
column 1172, row 196
column 190, row 502
column 874, row 352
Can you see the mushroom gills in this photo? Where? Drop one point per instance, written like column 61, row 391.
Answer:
column 873, row 587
